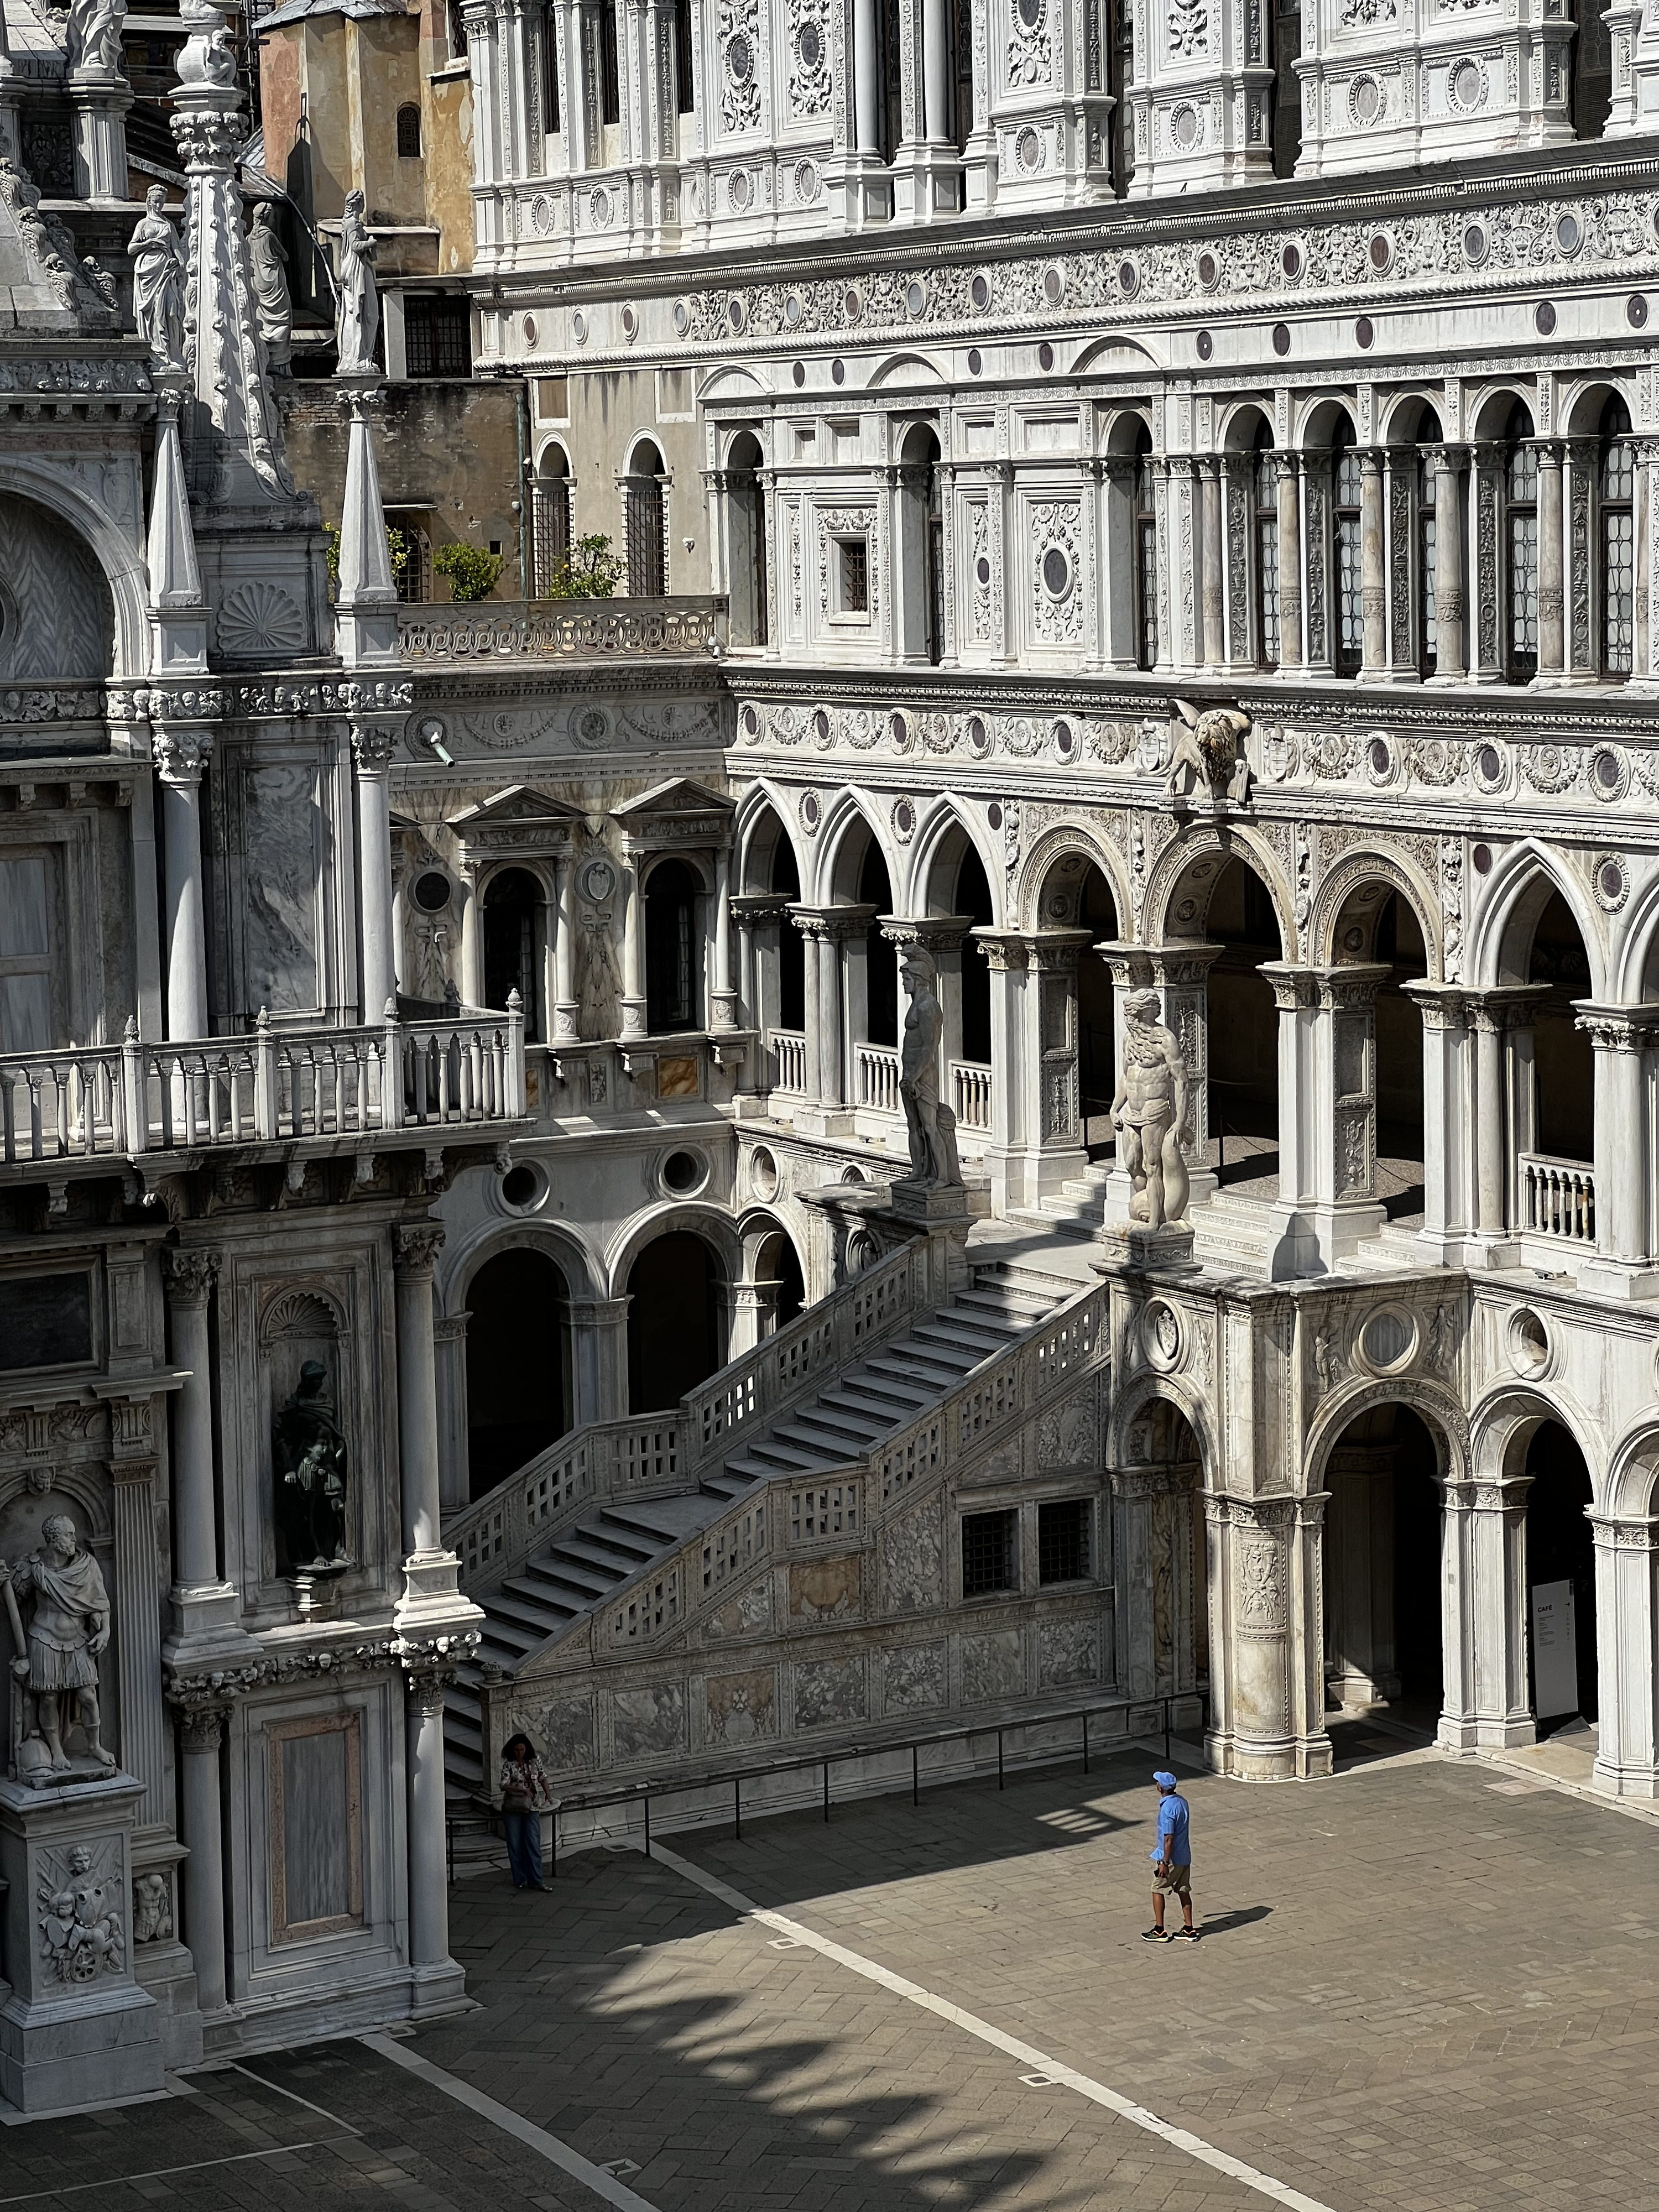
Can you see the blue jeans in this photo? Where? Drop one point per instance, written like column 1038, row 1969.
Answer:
column 523, row 1846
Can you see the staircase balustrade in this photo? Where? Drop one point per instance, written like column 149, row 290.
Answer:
column 658, row 1455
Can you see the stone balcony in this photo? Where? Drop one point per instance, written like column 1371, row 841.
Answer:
column 491, row 631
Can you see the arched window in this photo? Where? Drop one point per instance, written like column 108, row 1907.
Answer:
column 673, row 993
column 1423, row 491
column 550, row 514
column 1146, row 561
column 1264, row 495
column 512, row 945
column 1618, row 491
column 409, row 133
column 746, row 540
column 1345, row 534
column 646, row 524
column 921, row 545
column 1521, row 540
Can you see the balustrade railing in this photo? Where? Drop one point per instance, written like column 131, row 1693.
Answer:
column 658, row 1454
column 877, row 1069
column 140, row 1096
column 1557, row 1199
column 561, row 629
column 971, row 1094
column 790, row 1047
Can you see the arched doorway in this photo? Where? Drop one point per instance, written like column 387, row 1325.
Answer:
column 1378, row 927
column 1382, row 1567
column 1079, row 1046
column 676, row 1326
column 1561, row 1651
column 1163, row 1540
column 518, row 1381
column 1563, row 1058
column 745, row 495
column 1540, row 1175
column 513, row 941
column 1242, row 1090
column 673, row 965
column 778, row 1275
column 551, row 518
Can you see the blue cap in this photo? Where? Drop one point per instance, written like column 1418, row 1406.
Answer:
column 1165, row 1781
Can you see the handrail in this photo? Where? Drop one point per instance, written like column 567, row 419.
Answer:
column 1558, row 1197
column 496, row 629
column 654, row 1455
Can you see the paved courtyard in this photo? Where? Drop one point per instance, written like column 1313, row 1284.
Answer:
column 1426, row 1983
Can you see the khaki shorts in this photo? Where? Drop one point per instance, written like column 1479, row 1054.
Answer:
column 1176, row 1882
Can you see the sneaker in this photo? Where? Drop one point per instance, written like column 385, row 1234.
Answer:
column 1156, row 1936
column 1188, row 1934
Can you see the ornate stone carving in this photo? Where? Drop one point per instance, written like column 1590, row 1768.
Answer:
column 309, row 1463
column 929, row 1123
column 1209, row 752
column 809, row 58
column 268, row 259
column 1068, row 1653
column 419, row 1244
column 56, row 1665
column 191, row 1273
column 158, row 282
column 739, row 34
column 1056, row 588
column 81, row 1936
column 260, row 618
column 913, row 1562
column 1028, row 59
column 1152, row 1113
column 152, row 1909
column 357, row 303
column 1261, row 1588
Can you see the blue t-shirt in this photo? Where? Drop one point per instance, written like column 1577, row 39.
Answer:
column 1172, row 1839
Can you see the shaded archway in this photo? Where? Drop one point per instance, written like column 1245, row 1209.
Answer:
column 1561, row 1651
column 513, row 935
column 746, row 540
column 921, row 612
column 1242, row 1089
column 518, row 1378
column 958, row 887
column 673, row 948
column 645, row 508
column 1563, row 1058
column 675, row 1320
column 1076, row 895
column 778, row 1276
column 879, row 1022
column 1382, row 1567
column 1379, row 927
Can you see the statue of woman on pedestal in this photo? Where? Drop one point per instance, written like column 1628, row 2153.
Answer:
column 357, row 304
column 158, row 282
column 273, row 299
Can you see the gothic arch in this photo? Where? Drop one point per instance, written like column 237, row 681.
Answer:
column 948, row 815
column 759, row 802
column 1439, row 1408
column 850, row 811
column 1176, row 1391
column 1186, row 871
column 1069, row 837
column 1515, row 893
column 1372, row 864
column 120, row 564
column 1633, row 965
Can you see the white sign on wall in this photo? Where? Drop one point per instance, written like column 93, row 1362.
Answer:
column 1555, row 1649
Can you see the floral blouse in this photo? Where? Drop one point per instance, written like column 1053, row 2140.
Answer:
column 523, row 1778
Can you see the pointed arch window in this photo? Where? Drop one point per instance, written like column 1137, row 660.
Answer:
column 1145, row 563
column 1617, row 488
column 1264, row 494
column 1520, row 545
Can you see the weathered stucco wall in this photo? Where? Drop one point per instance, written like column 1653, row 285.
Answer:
column 603, row 417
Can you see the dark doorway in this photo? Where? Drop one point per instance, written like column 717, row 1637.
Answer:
column 674, row 1331
column 777, row 1263
column 1563, row 1058
column 974, row 898
column 1377, row 926
column 1243, row 1089
column 517, row 1394
column 1096, row 1053
column 671, row 993
column 1382, row 1567
column 1561, row 1548
column 512, row 932
column 1419, row 1518
column 791, row 947
column 881, row 955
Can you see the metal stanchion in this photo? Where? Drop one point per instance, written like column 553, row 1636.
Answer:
column 1085, row 1743
column 826, row 1790
column 647, row 1824
column 999, row 1758
column 553, row 1856
column 737, row 1808
column 915, row 1776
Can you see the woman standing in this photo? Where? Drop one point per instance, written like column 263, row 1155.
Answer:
column 524, row 1792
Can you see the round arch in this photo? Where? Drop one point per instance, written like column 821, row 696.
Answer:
column 121, row 564
column 1136, row 1404
column 1242, row 424
column 696, row 1216
column 517, row 1357
column 1321, row 421
column 1189, row 868
column 1504, row 1419
column 1436, row 1408
column 643, row 448
column 1352, row 872
column 1489, row 411
column 581, row 1266
column 906, row 372
column 677, row 1271
column 553, row 460
column 1401, row 418
column 1124, row 427
column 1027, row 903
column 1118, row 352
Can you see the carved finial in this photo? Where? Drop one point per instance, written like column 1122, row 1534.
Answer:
column 263, row 1019
column 514, row 1003
column 130, row 1033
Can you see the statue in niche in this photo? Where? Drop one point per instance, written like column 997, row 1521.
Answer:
column 356, row 302
column 158, row 282
column 1150, row 1113
column 152, row 1909
column 930, row 1125
column 273, row 301
column 57, row 1661
column 309, row 1454
column 93, row 39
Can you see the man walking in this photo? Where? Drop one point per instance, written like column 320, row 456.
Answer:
column 1172, row 1863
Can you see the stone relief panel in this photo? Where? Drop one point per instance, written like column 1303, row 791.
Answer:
column 993, row 1666
column 152, row 1909
column 1069, row 1435
column 912, row 1561
column 83, row 1935
column 829, row 1689
column 1068, row 1653
column 825, row 1589
column 647, row 1722
column 1261, row 1606
column 913, row 1677
column 563, row 1731
column 281, row 827
column 745, row 1612
column 741, row 1707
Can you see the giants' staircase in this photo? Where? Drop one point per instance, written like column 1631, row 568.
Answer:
column 554, row 1591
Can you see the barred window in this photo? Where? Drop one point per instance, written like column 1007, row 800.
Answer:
column 1146, row 532
column 550, row 514
column 1426, row 659
column 645, row 515
column 1345, row 526
column 1063, row 1540
column 988, row 1552
column 1618, row 494
column 1264, row 477
column 1521, row 538
column 437, row 337
column 409, row 134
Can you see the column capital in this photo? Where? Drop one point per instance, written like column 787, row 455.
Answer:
column 1005, row 950
column 1616, row 1029
column 1639, row 1533
column 373, row 746
column 1443, row 1006
column 1354, row 985
column 417, row 1244
column 191, row 1272
column 832, row 925
column 181, row 756
column 1294, row 990
column 936, row 932
column 1505, row 1007
column 202, row 1727
column 752, row 909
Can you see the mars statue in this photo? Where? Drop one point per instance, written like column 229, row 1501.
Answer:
column 930, row 1127
column 58, row 1658
column 1150, row 1114
column 310, row 1457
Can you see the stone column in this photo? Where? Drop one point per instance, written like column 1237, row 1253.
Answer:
column 1295, row 996
column 754, row 1314
column 1005, row 954
column 722, row 999
column 201, row 1732
column 1449, row 666
column 1213, row 651
column 1501, row 1021
column 428, row 1873
column 1121, row 645
column 865, row 79
column 633, row 1000
column 1373, row 574
column 1623, row 1037
column 1290, row 561
column 799, row 920
column 136, row 1624
column 449, row 1349
column 1552, row 636
column 1627, row 1738
column 1447, row 1121
column 1055, row 1131
column 373, row 747
column 99, row 99
column 1344, row 1108
column 599, row 1360
column 826, row 929
column 181, row 757
column 567, row 1008
column 1581, row 623
column 1484, row 1628
column 472, row 978
column 1267, row 1722
column 191, row 1274
column 416, row 1245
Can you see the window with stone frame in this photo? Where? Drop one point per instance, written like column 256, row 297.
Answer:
column 1520, row 466
column 1617, row 490
column 1063, row 1533
column 989, row 1558
column 26, row 1022
column 409, row 132
column 1264, row 494
column 437, row 336
column 852, row 576
column 1347, row 561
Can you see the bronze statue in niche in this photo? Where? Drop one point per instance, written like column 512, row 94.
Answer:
column 308, row 1456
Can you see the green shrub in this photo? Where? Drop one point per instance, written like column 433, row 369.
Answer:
column 397, row 546
column 589, row 571
column 472, row 573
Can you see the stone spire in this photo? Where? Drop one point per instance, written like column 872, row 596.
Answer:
column 366, row 603
column 225, row 354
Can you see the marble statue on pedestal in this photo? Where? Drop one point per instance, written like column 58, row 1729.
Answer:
column 309, row 1453
column 93, row 39
column 158, row 282
column 357, row 304
column 57, row 1661
column 1150, row 1113
column 273, row 298
column 930, row 1125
